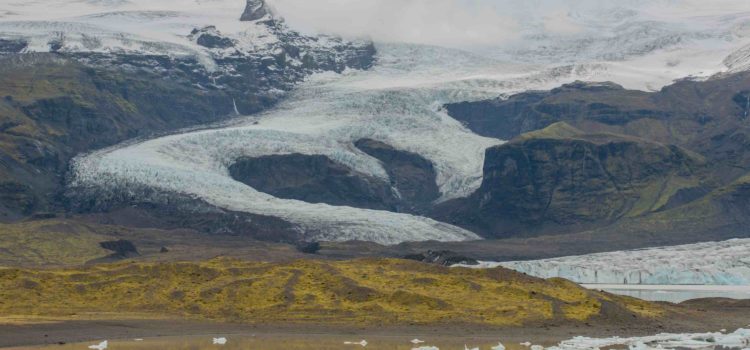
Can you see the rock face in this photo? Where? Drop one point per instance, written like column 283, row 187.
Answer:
column 314, row 179
column 535, row 184
column 594, row 156
column 121, row 248
column 8, row 46
column 443, row 257
column 255, row 10
column 211, row 38
column 318, row 179
column 412, row 176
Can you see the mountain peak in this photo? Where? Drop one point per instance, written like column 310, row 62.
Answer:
column 255, row 10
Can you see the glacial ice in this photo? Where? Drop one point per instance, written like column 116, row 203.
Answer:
column 710, row 263
column 398, row 102
column 738, row 339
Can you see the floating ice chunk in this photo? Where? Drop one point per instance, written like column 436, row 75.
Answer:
column 426, row 348
column 220, row 341
column 499, row 346
column 101, row 346
column 736, row 340
column 362, row 343
column 537, row 347
column 467, row 348
column 526, row 344
column 417, row 341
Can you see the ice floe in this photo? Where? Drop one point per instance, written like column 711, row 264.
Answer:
column 738, row 339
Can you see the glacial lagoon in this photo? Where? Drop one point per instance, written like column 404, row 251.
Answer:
column 674, row 293
column 297, row 342
column 723, row 339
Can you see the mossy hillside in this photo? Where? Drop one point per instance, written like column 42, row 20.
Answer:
column 558, row 181
column 50, row 242
column 52, row 108
column 596, row 158
column 75, row 241
column 370, row 291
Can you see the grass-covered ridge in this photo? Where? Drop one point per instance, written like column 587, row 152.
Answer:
column 50, row 242
column 368, row 291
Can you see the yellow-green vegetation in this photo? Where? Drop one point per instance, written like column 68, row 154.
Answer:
column 49, row 242
column 657, row 193
column 366, row 291
column 559, row 130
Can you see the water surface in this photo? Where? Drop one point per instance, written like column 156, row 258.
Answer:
column 308, row 342
column 674, row 293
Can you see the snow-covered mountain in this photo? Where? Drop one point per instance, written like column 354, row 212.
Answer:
column 207, row 41
column 397, row 102
column 711, row 263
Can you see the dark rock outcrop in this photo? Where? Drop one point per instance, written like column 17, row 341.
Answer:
column 122, row 249
column 442, row 257
column 255, row 10
column 317, row 179
column 308, row 247
column 411, row 174
column 211, row 38
column 313, row 179
column 9, row 46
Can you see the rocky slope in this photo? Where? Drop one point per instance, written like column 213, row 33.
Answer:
column 597, row 156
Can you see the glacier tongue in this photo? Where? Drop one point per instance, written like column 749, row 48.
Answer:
column 397, row 102
column 711, row 263
column 738, row 339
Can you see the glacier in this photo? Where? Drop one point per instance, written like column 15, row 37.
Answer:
column 739, row 339
column 398, row 101
column 709, row 263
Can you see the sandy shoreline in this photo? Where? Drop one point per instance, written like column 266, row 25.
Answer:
column 713, row 316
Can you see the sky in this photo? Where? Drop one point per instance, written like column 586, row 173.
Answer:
column 440, row 22
column 466, row 23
